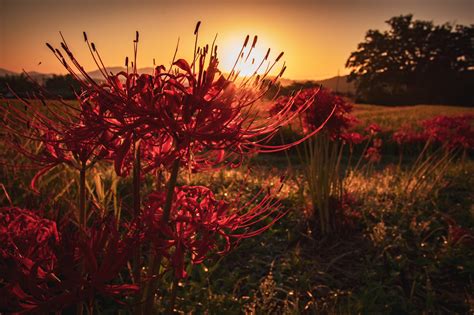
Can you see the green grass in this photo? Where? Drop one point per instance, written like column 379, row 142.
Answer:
column 396, row 259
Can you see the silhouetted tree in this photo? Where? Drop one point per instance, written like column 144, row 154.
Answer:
column 20, row 84
column 62, row 85
column 414, row 62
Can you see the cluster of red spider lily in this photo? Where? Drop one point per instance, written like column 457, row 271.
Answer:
column 45, row 270
column 452, row 132
column 190, row 116
column 341, row 122
column 198, row 222
column 321, row 155
column 325, row 104
column 372, row 154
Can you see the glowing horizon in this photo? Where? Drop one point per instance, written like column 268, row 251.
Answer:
column 316, row 36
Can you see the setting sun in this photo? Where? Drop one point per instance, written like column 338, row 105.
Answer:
column 248, row 60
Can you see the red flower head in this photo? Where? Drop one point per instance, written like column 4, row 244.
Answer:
column 120, row 108
column 51, row 134
column 199, row 224
column 373, row 129
column 352, row 138
column 41, row 269
column 340, row 120
column 373, row 153
column 191, row 112
column 28, row 244
column 325, row 105
column 26, row 236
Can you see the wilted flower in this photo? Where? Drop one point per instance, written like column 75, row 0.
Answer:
column 460, row 236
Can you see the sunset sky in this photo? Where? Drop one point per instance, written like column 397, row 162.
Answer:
column 316, row 36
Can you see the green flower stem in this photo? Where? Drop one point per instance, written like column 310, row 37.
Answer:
column 155, row 260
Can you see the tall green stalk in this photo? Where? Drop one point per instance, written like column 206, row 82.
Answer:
column 82, row 196
column 136, row 207
column 322, row 158
column 82, row 217
column 155, row 260
column 172, row 301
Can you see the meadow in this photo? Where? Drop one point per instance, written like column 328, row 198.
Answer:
column 393, row 117
column 404, row 244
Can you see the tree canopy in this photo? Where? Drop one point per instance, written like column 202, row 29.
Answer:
column 415, row 62
column 22, row 85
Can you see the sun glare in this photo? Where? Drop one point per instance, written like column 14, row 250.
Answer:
column 247, row 61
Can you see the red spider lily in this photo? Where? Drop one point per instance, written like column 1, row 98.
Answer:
column 187, row 113
column 373, row 153
column 25, row 234
column 50, row 135
column 406, row 135
column 352, row 138
column 340, row 120
column 325, row 106
column 452, row 132
column 199, row 224
column 373, row 129
column 35, row 283
column 28, row 243
column 119, row 107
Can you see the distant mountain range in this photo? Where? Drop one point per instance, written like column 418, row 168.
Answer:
column 338, row 84
column 96, row 74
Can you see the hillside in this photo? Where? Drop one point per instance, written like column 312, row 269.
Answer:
column 338, row 84
column 5, row 72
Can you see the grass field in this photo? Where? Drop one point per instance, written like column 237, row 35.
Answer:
column 400, row 252
column 393, row 117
